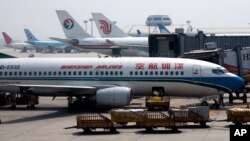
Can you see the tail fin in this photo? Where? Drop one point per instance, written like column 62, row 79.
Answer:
column 107, row 28
column 70, row 27
column 30, row 36
column 163, row 29
column 138, row 33
column 7, row 38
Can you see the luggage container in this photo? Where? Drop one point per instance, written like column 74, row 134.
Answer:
column 238, row 115
column 89, row 121
column 123, row 116
column 151, row 120
column 199, row 114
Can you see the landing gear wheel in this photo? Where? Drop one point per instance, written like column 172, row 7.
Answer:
column 244, row 98
column 231, row 98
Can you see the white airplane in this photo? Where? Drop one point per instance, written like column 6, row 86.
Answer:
column 129, row 46
column 106, row 28
column 16, row 44
column 114, row 81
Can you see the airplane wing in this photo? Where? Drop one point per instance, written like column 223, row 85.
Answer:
column 137, row 47
column 67, row 41
column 59, row 90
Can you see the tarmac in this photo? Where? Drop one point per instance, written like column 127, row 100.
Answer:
column 48, row 120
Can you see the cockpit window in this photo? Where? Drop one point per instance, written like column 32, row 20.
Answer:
column 219, row 71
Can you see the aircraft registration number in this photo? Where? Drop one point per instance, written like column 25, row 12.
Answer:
column 9, row 66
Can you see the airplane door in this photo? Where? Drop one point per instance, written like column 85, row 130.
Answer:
column 196, row 73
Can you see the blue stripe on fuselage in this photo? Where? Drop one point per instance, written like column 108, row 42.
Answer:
column 225, row 83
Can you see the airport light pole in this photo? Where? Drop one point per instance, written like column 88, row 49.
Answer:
column 86, row 24
column 91, row 21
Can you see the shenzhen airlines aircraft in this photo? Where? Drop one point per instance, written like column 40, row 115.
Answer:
column 16, row 45
column 129, row 46
column 114, row 81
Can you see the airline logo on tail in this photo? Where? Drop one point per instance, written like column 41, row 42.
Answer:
column 105, row 27
column 30, row 36
column 68, row 23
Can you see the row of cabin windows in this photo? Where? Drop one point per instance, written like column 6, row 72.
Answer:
column 156, row 73
column 74, row 73
column 59, row 73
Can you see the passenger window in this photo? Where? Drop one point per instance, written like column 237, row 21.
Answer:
column 96, row 73
column 151, row 72
column 102, row 72
column 0, row 73
column 176, row 73
column 20, row 73
column 182, row 72
column 116, row 72
column 131, row 72
column 10, row 73
column 79, row 73
column 40, row 73
column 156, row 73
column 30, row 73
column 121, row 73
column 64, row 73
column 161, row 72
column 69, row 73
column 45, row 73
column 54, row 73
column 171, row 73
column 141, row 72
column 15, row 73
column 74, row 73
column 85, row 73
column 146, row 72
column 5, row 73
column 90, row 73
column 59, row 73
column 136, row 72
column 106, row 73
column 25, row 73
column 111, row 73
column 35, row 73
column 166, row 72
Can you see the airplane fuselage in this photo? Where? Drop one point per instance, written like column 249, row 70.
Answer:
column 178, row 77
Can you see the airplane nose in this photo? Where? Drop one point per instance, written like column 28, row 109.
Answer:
column 238, row 82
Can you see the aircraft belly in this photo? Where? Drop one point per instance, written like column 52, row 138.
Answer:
column 139, row 88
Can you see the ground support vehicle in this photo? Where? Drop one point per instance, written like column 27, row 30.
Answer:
column 123, row 116
column 199, row 114
column 90, row 121
column 157, row 102
column 19, row 99
column 238, row 115
column 151, row 120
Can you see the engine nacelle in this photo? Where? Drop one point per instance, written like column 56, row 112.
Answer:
column 114, row 96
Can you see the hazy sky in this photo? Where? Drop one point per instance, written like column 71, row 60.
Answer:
column 40, row 17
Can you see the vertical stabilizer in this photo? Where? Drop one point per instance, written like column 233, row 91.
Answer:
column 7, row 38
column 163, row 29
column 70, row 27
column 106, row 28
column 30, row 36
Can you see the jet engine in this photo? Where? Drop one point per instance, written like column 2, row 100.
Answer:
column 114, row 96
